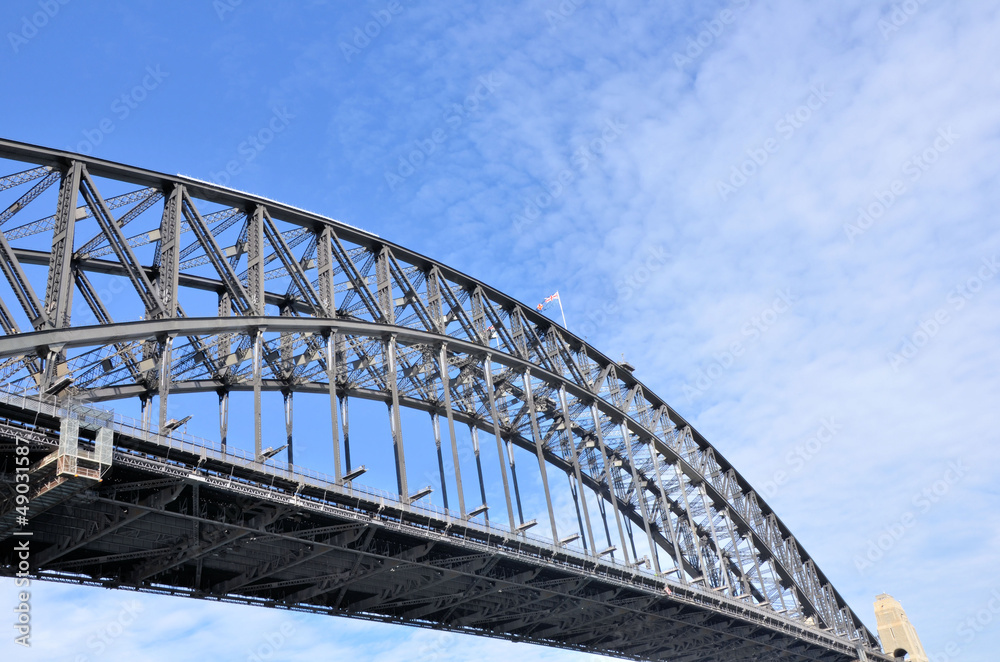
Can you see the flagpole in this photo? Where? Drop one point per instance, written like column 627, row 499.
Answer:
column 561, row 311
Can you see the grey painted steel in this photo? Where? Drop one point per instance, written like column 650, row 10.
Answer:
column 250, row 552
column 350, row 291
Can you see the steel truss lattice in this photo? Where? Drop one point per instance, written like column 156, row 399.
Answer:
column 309, row 305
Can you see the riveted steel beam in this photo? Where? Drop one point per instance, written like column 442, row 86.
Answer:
column 704, row 480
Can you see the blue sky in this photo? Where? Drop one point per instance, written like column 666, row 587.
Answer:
column 784, row 216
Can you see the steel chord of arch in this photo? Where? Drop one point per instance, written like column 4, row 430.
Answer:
column 351, row 302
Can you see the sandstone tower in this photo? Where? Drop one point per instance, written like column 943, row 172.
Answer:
column 898, row 635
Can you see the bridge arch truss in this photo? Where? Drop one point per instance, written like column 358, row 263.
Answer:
column 299, row 303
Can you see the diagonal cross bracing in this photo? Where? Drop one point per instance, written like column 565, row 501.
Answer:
column 658, row 473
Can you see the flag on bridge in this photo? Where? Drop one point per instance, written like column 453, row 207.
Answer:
column 545, row 304
column 549, row 300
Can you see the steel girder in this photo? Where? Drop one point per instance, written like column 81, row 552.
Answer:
column 362, row 317
column 380, row 559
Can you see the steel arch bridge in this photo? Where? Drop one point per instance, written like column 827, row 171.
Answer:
column 666, row 551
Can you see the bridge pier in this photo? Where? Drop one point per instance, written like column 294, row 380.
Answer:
column 899, row 637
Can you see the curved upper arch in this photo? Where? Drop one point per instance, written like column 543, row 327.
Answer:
column 303, row 303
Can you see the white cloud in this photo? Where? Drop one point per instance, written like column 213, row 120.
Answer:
column 656, row 185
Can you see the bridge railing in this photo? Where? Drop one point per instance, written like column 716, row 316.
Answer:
column 319, row 480
column 90, row 416
column 192, row 445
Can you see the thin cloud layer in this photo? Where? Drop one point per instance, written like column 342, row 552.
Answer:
column 673, row 172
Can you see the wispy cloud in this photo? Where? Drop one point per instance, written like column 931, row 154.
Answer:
column 900, row 85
